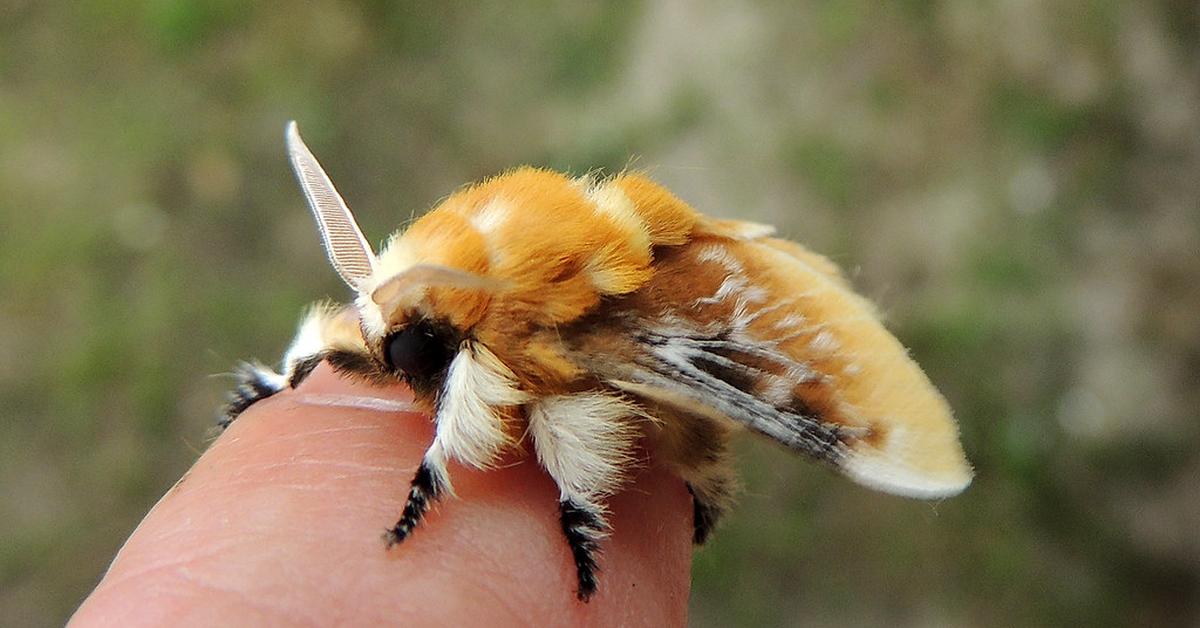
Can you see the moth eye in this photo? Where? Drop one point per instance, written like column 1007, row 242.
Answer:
column 420, row 351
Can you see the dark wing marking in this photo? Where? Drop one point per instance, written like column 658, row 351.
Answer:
column 712, row 375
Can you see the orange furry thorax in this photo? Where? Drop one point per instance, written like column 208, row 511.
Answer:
column 554, row 247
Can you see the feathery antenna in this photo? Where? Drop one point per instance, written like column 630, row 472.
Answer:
column 348, row 250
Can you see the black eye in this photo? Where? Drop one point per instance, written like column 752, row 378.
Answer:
column 420, row 351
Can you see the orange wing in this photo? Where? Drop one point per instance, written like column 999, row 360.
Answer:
column 765, row 333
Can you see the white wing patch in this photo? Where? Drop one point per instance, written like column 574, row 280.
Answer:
column 720, row 255
column 491, row 216
column 824, row 341
column 610, row 201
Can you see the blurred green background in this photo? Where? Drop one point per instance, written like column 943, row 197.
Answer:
column 1017, row 183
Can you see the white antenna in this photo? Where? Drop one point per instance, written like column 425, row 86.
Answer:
column 348, row 250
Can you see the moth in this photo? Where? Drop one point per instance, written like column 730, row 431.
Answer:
column 591, row 315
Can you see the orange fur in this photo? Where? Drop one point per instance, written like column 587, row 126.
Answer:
column 572, row 262
column 669, row 221
column 816, row 261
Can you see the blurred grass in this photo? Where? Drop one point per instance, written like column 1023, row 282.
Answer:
column 1015, row 182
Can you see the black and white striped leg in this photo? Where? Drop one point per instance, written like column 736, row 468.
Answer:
column 256, row 381
column 324, row 331
column 583, row 524
column 429, row 484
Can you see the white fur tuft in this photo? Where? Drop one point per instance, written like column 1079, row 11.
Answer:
column 310, row 338
column 491, row 216
column 610, row 201
column 584, row 441
column 373, row 323
column 469, row 426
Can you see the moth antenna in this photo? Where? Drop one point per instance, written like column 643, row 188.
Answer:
column 349, row 252
column 424, row 275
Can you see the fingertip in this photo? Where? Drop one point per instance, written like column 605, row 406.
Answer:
column 284, row 514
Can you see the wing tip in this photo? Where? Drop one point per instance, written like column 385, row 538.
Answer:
column 899, row 478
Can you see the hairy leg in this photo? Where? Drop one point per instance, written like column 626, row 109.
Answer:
column 325, row 330
column 698, row 448
column 712, row 488
column 428, row 485
column 583, row 525
column 332, row 334
column 471, row 429
column 584, row 442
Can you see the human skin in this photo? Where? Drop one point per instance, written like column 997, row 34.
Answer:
column 280, row 523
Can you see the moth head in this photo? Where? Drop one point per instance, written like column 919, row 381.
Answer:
column 404, row 328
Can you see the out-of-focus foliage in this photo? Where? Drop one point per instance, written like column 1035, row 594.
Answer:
column 1016, row 182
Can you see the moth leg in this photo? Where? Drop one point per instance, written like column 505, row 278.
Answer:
column 583, row 525
column 255, row 382
column 325, row 330
column 712, row 489
column 428, row 485
column 470, row 430
column 584, row 441
column 698, row 446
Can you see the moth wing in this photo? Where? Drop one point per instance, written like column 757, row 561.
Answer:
column 769, row 335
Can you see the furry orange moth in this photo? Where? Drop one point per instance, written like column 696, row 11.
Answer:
column 587, row 314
